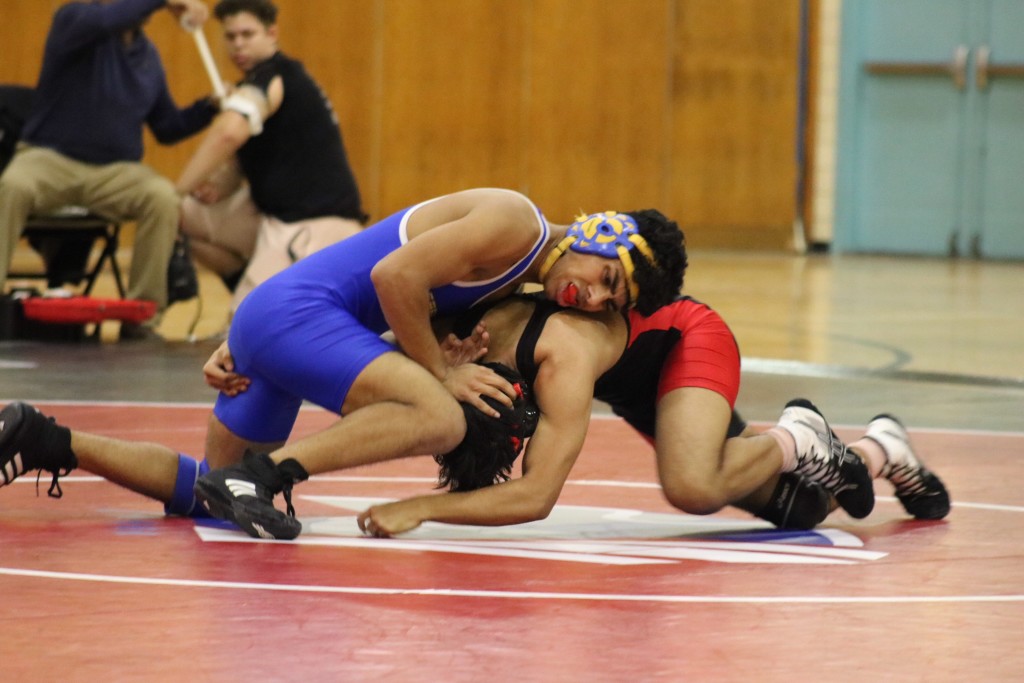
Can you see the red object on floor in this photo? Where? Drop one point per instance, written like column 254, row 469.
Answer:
column 87, row 309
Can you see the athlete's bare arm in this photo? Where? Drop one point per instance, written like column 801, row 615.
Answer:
column 468, row 236
column 226, row 135
column 573, row 351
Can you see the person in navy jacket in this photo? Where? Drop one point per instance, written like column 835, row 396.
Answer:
column 101, row 83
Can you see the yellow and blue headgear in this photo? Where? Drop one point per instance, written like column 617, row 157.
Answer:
column 608, row 234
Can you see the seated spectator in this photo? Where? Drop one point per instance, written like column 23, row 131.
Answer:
column 82, row 142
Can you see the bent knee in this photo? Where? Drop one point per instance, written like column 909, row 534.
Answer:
column 159, row 194
column 14, row 184
column 694, row 498
column 443, row 424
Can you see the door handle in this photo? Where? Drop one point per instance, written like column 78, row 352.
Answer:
column 984, row 69
column 956, row 68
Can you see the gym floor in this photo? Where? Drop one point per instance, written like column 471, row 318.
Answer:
column 615, row 585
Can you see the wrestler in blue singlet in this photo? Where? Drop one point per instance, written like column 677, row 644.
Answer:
column 309, row 331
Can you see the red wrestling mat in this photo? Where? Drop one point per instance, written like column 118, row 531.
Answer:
column 615, row 586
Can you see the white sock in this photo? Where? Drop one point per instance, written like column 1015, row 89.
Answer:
column 788, row 445
column 871, row 453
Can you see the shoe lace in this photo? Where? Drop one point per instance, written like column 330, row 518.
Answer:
column 906, row 476
column 55, row 491
column 826, row 469
column 290, row 472
column 821, row 470
column 286, row 491
column 908, row 480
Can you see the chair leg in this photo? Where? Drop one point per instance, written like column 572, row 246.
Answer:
column 59, row 230
column 108, row 254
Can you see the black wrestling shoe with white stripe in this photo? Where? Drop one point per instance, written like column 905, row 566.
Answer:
column 31, row 441
column 822, row 457
column 921, row 492
column 244, row 494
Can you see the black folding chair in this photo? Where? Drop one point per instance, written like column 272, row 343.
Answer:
column 64, row 238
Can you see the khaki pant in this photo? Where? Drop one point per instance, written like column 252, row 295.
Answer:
column 39, row 180
column 232, row 234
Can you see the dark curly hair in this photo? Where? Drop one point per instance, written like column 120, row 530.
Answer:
column 659, row 284
column 264, row 10
column 491, row 445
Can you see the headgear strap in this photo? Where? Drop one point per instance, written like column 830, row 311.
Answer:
column 608, row 234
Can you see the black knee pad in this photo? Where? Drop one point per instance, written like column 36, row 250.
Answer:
column 796, row 503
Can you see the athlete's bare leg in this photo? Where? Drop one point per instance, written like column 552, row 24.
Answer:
column 394, row 409
column 223, row 447
column 143, row 467
column 702, row 471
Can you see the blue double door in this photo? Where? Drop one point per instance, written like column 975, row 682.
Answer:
column 931, row 128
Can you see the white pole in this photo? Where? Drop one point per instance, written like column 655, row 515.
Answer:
column 211, row 67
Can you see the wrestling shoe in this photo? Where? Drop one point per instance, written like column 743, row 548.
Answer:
column 822, row 457
column 797, row 503
column 922, row 493
column 244, row 494
column 31, row 441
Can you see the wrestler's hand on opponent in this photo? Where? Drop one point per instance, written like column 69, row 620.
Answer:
column 384, row 521
column 474, row 347
column 471, row 382
column 220, row 374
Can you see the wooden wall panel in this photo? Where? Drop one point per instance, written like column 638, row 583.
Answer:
column 22, row 35
column 453, row 83
column 339, row 43
column 597, row 135
column 734, row 120
column 685, row 105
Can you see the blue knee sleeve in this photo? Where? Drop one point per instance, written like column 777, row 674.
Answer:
column 183, row 503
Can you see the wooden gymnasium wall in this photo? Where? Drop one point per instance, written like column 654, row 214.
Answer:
column 689, row 106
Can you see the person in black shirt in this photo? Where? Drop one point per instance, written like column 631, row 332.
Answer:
column 271, row 182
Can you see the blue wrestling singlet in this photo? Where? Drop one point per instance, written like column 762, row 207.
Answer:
column 309, row 331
